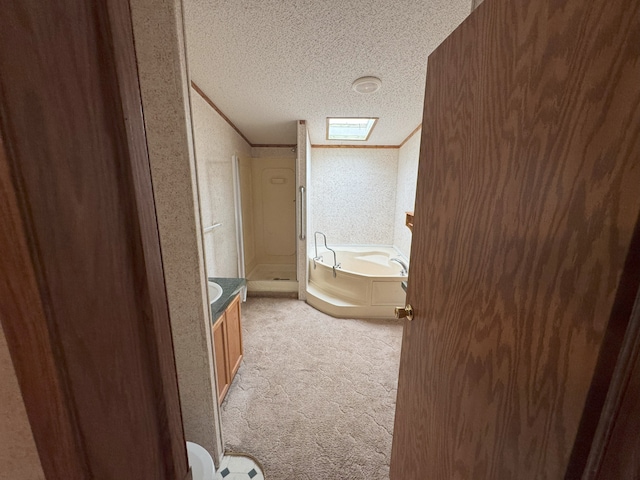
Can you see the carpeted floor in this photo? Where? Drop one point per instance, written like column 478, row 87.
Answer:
column 315, row 396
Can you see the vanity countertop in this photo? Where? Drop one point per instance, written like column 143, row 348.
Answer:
column 230, row 288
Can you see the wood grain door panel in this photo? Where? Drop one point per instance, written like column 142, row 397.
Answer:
column 526, row 204
column 234, row 336
column 221, row 356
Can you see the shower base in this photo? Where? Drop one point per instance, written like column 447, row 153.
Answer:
column 266, row 278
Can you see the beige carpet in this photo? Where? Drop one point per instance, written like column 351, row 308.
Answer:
column 315, row 396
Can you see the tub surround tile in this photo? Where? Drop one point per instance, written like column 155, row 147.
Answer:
column 215, row 144
column 406, row 192
column 353, row 194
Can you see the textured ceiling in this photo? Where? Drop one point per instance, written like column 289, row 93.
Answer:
column 268, row 63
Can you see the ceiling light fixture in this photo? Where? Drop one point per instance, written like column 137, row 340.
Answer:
column 367, row 84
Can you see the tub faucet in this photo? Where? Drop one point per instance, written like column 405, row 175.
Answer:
column 403, row 264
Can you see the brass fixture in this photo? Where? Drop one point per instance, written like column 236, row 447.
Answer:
column 405, row 312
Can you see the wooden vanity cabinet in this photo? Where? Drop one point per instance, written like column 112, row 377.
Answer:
column 227, row 343
column 234, row 336
column 220, row 354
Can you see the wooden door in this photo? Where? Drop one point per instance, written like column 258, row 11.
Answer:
column 82, row 294
column 524, row 264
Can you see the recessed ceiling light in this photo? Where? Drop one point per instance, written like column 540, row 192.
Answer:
column 350, row 128
column 367, row 85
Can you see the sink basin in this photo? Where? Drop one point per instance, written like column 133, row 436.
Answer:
column 215, row 292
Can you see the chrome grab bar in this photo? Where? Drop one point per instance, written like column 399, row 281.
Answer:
column 303, row 234
column 335, row 257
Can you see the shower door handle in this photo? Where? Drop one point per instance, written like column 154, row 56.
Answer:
column 302, row 235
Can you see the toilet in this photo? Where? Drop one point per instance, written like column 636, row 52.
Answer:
column 200, row 461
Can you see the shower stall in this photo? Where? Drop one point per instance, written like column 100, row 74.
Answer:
column 271, row 218
column 267, row 197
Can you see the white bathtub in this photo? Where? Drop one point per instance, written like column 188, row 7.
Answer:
column 366, row 285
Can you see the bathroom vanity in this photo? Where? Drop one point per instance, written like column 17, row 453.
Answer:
column 227, row 332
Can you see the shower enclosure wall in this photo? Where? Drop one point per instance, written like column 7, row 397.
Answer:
column 268, row 205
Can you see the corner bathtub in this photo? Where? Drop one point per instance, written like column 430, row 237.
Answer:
column 367, row 284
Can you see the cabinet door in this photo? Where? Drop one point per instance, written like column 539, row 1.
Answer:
column 220, row 353
column 234, row 336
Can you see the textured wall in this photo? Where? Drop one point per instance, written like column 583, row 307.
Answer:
column 280, row 152
column 159, row 39
column 353, row 194
column 408, row 157
column 216, row 143
column 18, row 455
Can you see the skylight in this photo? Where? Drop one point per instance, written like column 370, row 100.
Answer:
column 350, row 128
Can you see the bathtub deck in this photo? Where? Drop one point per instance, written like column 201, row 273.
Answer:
column 341, row 308
column 367, row 283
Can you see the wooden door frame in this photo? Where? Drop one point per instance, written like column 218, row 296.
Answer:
column 614, row 380
column 76, row 192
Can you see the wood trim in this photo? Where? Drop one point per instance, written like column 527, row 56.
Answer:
column 620, row 457
column 415, row 130
column 611, row 374
column 302, row 122
column 356, row 146
column 158, row 337
column 614, row 453
column 224, row 117
column 273, row 145
column 88, row 306
column 232, row 125
column 25, row 324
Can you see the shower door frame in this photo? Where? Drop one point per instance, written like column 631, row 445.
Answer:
column 237, row 205
column 303, row 171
